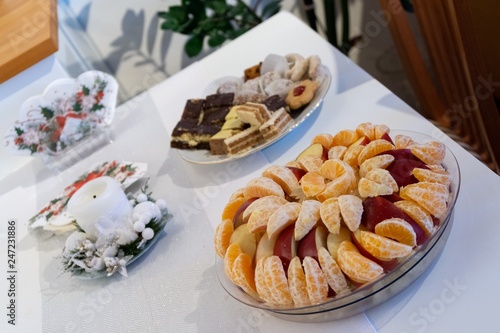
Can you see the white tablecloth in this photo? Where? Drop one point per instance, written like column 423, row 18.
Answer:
column 174, row 286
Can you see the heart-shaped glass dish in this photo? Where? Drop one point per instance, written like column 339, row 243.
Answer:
column 382, row 289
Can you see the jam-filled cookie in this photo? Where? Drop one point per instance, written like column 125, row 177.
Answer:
column 301, row 94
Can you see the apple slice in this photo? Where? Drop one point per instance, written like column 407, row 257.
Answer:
column 298, row 172
column 265, row 247
column 333, row 240
column 238, row 216
column 309, row 245
column 285, row 246
column 245, row 239
column 377, row 209
column 316, row 149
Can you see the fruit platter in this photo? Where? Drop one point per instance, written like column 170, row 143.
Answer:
column 240, row 115
column 355, row 219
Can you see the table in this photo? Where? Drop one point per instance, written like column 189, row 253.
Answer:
column 174, row 286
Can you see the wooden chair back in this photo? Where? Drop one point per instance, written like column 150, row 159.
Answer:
column 456, row 89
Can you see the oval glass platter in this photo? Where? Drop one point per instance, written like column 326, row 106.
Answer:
column 205, row 157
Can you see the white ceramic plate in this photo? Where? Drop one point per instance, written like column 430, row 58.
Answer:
column 204, row 156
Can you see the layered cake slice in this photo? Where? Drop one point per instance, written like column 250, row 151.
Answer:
column 279, row 121
column 188, row 134
column 243, row 140
column 254, row 114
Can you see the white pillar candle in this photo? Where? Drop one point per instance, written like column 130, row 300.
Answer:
column 100, row 197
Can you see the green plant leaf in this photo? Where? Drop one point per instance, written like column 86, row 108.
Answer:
column 19, row 131
column 218, row 6
column 194, row 45
column 177, row 13
column 216, row 40
column 47, row 113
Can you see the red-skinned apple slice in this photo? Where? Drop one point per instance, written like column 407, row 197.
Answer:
column 238, row 216
column 315, row 149
column 315, row 239
column 285, row 246
column 298, row 172
column 377, row 209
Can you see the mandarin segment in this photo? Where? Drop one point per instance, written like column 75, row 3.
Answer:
column 244, row 275
column 366, row 129
column 329, row 211
column 382, row 176
column 382, row 247
column 336, row 152
column 260, row 282
column 324, row 139
column 352, row 153
column 232, row 252
column 333, row 274
column 276, row 281
column 309, row 215
column 357, row 267
column 222, row 236
column 433, row 176
column 431, row 196
column 375, row 147
column 397, row 229
column 316, row 284
column 432, row 152
column 282, row 218
column 232, row 207
column 379, row 130
column 418, row 214
column 261, row 187
column 283, row 176
column 311, row 163
column 376, row 162
column 312, row 183
column 369, row 188
column 344, row 138
column 351, row 209
column 237, row 194
column 403, row 141
column 297, row 282
column 261, row 210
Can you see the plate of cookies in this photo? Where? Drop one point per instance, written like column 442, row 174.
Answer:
column 242, row 115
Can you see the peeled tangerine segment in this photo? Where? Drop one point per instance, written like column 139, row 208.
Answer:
column 276, row 281
column 357, row 267
column 308, row 217
column 431, row 196
column 333, row 274
column 244, row 275
column 283, row 176
column 382, row 176
column 351, row 209
column 344, row 138
column 369, row 188
column 232, row 207
column 329, row 211
column 311, row 163
column 258, row 212
column 312, row 183
column 261, row 187
column 383, row 248
column 432, row 152
column 366, row 129
column 316, row 284
column 397, row 229
column 375, row 162
column 232, row 252
column 297, row 282
column 260, row 282
column 324, row 139
column 433, row 176
column 336, row 152
column 418, row 214
column 403, row 141
column 375, row 147
column 282, row 218
column 222, row 236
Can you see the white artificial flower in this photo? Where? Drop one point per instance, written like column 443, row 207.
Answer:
column 30, row 136
column 75, row 241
